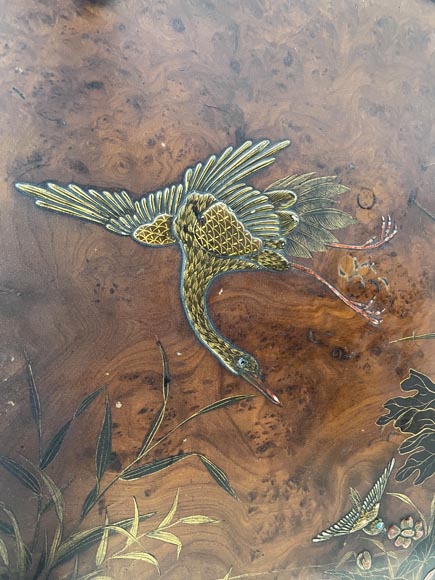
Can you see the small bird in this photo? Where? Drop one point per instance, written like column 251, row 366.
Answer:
column 364, row 514
column 224, row 225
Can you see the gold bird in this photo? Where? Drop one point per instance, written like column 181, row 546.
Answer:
column 223, row 225
column 364, row 514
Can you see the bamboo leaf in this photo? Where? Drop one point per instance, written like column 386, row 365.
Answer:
column 166, row 537
column 197, row 520
column 228, row 574
column 21, row 548
column 56, row 496
column 35, row 403
column 170, row 515
column 157, row 421
column 143, row 556
column 75, row 573
column 4, row 552
column 135, row 525
column 59, row 507
column 123, row 532
column 81, row 541
column 21, row 473
column 154, row 427
column 57, row 440
column 149, row 468
column 218, row 475
column 104, row 444
column 89, row 502
column 102, row 548
column 222, row 403
column 166, row 376
column 6, row 528
column 54, row 445
column 87, row 401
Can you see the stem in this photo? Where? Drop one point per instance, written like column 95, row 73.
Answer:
column 424, row 210
column 38, row 522
column 413, row 337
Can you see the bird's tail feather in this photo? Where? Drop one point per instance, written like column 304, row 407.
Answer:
column 99, row 207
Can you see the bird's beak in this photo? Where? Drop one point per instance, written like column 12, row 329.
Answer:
column 262, row 387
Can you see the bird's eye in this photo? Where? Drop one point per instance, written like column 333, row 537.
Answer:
column 242, row 362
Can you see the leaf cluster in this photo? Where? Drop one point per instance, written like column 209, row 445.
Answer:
column 57, row 548
column 414, row 414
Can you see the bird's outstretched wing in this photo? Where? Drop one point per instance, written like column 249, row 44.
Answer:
column 349, row 523
column 218, row 174
column 148, row 219
column 313, row 200
column 373, row 498
column 342, row 527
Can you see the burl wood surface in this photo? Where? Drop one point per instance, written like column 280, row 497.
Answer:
column 127, row 94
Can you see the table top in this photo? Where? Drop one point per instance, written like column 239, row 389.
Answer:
column 100, row 364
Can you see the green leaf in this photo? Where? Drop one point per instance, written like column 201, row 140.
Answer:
column 167, row 537
column 21, row 548
column 54, row 445
column 157, row 421
column 143, row 556
column 87, row 401
column 104, row 444
column 170, row 515
column 135, row 524
column 25, row 476
column 197, row 520
column 81, row 541
column 218, row 475
column 149, row 468
column 102, row 548
column 89, row 502
column 4, row 552
column 35, row 403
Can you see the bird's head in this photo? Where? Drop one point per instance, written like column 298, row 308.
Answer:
column 246, row 366
column 375, row 527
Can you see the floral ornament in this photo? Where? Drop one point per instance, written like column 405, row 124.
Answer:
column 407, row 532
column 364, row 560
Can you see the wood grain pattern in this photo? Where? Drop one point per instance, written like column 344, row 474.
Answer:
column 127, row 94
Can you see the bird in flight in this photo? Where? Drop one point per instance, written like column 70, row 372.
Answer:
column 364, row 513
column 224, row 225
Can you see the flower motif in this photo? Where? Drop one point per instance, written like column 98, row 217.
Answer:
column 364, row 560
column 407, row 532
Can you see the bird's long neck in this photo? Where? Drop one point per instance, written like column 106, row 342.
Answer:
column 199, row 269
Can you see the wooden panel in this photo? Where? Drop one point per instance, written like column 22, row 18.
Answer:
column 127, row 95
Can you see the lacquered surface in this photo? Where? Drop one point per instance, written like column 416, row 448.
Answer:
column 129, row 94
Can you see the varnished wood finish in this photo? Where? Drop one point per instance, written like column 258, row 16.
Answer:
column 127, row 94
